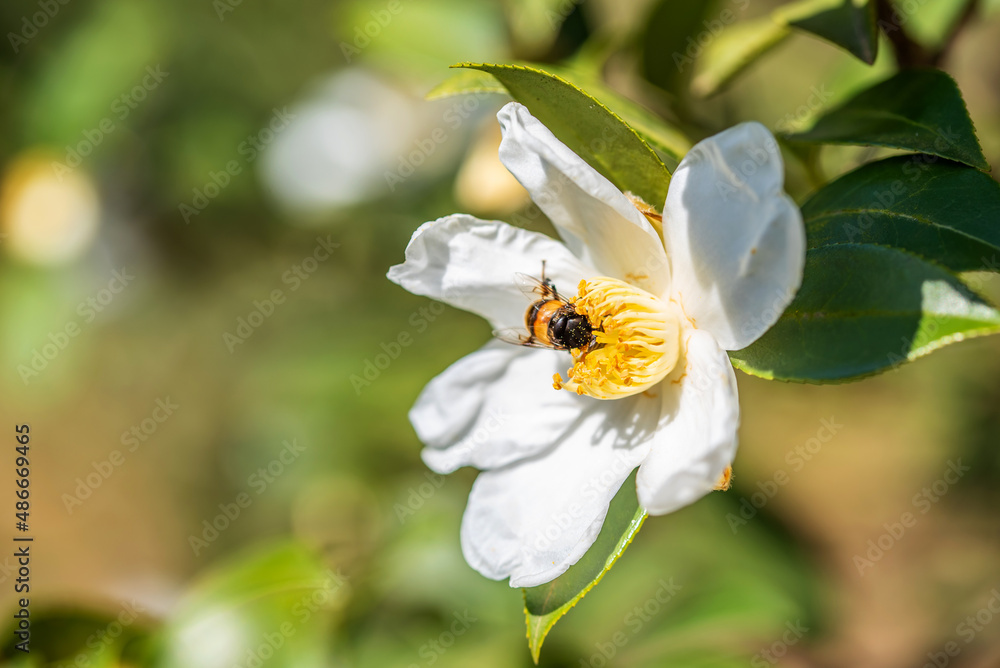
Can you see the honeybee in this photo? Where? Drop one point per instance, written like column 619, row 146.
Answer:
column 551, row 320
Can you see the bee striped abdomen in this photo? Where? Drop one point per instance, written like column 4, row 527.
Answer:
column 538, row 319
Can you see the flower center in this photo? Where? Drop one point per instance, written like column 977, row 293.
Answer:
column 637, row 341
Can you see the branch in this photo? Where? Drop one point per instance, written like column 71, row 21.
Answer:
column 909, row 54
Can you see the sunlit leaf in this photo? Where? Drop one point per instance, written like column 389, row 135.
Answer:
column 940, row 210
column 662, row 136
column 863, row 309
column 467, row 82
column 546, row 604
column 733, row 50
column 587, row 127
column 916, row 110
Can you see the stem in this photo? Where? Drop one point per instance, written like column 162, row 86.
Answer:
column 908, row 53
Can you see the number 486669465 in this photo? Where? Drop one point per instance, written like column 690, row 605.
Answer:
column 21, row 463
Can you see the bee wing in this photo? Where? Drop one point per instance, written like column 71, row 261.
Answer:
column 519, row 337
column 531, row 287
column 535, row 289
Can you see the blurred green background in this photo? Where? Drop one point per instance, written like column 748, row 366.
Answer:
column 196, row 225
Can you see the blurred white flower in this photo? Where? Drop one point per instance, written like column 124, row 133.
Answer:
column 352, row 141
column 664, row 309
column 47, row 217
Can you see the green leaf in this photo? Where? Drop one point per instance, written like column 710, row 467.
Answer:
column 863, row 309
column 467, row 82
column 283, row 591
column 916, row 110
column 733, row 50
column 670, row 142
column 670, row 42
column 587, row 127
column 940, row 210
column 546, row 604
column 849, row 24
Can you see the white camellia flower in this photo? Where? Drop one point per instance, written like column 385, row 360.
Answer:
column 658, row 392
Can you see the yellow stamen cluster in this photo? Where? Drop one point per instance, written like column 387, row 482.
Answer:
column 638, row 341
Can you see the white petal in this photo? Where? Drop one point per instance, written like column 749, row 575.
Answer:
column 697, row 439
column 736, row 241
column 597, row 222
column 470, row 264
column 494, row 407
column 532, row 520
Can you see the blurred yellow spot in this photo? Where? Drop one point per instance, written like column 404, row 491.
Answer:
column 483, row 185
column 46, row 217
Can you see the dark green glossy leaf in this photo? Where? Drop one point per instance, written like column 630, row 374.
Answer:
column 940, row 210
column 850, row 24
column 587, row 127
column 915, row 110
column 546, row 604
column 863, row 309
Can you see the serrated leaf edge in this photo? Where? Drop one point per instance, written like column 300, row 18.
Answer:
column 633, row 528
column 535, row 70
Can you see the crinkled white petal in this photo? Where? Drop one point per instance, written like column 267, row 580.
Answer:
column 495, row 406
column 598, row 223
column 471, row 263
column 736, row 241
column 532, row 520
column 697, row 437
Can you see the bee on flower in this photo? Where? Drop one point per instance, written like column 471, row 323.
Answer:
column 627, row 367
